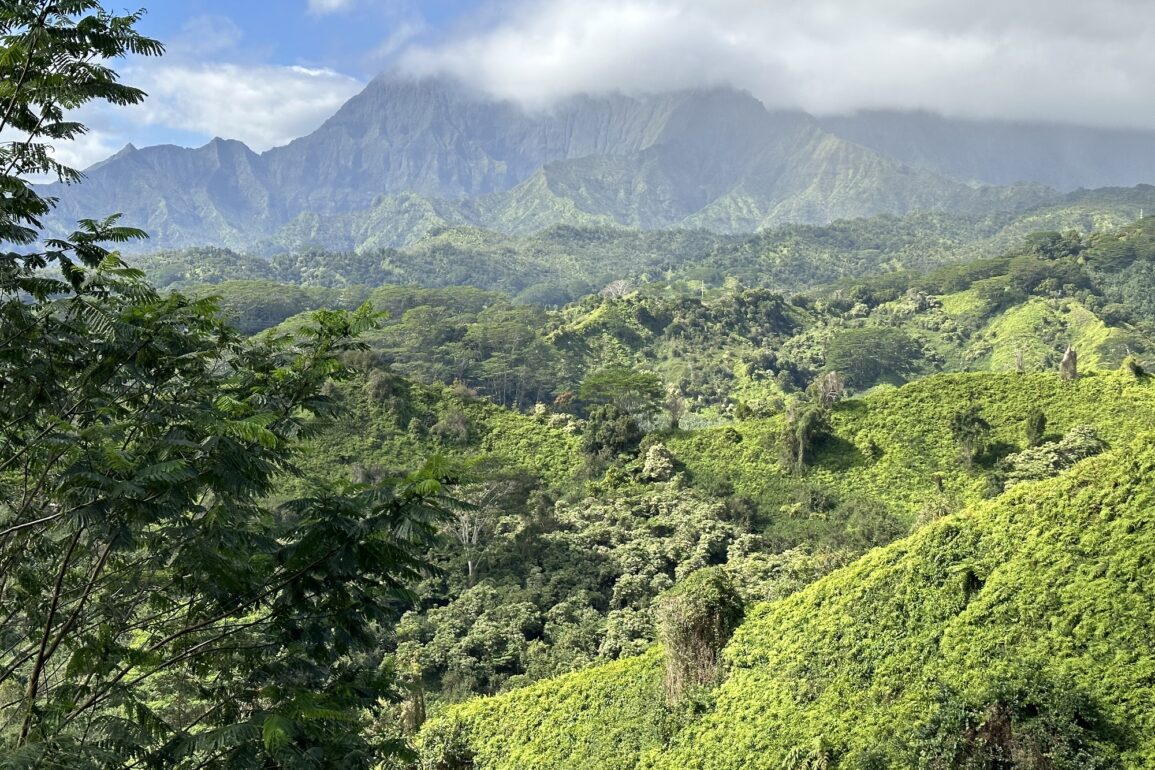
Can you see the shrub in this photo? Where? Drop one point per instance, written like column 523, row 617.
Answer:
column 1036, row 427
column 695, row 620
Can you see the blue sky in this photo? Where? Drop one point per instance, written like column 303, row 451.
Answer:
column 345, row 35
column 266, row 71
column 262, row 71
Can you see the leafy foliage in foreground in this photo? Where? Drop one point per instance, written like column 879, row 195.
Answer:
column 1017, row 634
column 155, row 611
column 139, row 437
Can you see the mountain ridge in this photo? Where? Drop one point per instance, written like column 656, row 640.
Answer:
column 427, row 153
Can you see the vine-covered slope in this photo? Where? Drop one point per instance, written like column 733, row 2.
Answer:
column 1016, row 634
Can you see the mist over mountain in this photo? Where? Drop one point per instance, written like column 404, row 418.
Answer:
column 406, row 156
column 1000, row 153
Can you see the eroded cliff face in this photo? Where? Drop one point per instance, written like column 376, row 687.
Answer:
column 406, row 156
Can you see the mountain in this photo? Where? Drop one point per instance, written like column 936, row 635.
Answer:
column 1001, row 153
column 406, row 157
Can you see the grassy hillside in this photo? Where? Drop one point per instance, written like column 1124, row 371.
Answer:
column 1014, row 635
column 585, row 503
column 893, row 449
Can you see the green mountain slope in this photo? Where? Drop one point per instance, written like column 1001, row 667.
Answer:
column 1017, row 634
column 582, row 524
column 408, row 156
column 893, row 449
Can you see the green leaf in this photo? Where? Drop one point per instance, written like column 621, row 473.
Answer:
column 277, row 731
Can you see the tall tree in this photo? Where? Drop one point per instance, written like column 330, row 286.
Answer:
column 154, row 610
column 970, row 432
column 628, row 390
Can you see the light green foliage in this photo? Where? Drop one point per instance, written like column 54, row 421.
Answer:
column 1033, row 602
column 560, row 571
column 659, row 463
column 1046, row 460
column 1020, row 629
column 1040, row 329
column 600, row 719
column 914, row 449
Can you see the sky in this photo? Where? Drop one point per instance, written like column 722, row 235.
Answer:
column 266, row 71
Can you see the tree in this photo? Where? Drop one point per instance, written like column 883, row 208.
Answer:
column 675, row 405
column 659, row 464
column 970, row 431
column 1042, row 461
column 827, row 389
column 695, row 620
column 475, row 517
column 610, row 431
column 53, row 58
column 628, row 390
column 1069, row 366
column 869, row 355
column 806, row 423
column 1036, row 427
column 157, row 611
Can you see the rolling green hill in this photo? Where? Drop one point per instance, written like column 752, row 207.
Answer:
column 560, row 263
column 1015, row 634
column 925, row 393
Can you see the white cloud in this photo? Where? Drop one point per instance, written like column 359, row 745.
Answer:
column 261, row 105
column 403, row 33
column 204, row 36
column 1029, row 59
column 211, row 83
column 78, row 153
column 87, row 149
column 328, row 6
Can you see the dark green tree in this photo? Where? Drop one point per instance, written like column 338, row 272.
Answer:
column 157, row 611
column 610, row 431
column 627, row 390
column 1036, row 427
column 969, row 431
column 869, row 355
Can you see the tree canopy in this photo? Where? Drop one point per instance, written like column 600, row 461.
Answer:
column 156, row 608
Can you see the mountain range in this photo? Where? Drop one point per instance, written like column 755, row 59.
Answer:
column 407, row 157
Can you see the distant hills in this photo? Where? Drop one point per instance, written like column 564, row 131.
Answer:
column 407, row 157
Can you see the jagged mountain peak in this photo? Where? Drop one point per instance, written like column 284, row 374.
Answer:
column 705, row 157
